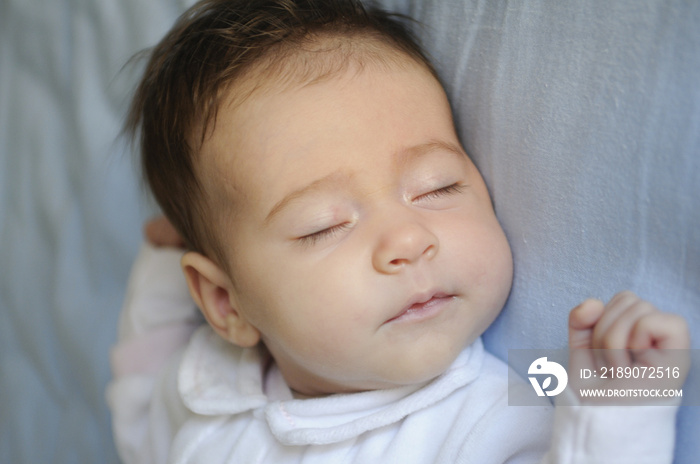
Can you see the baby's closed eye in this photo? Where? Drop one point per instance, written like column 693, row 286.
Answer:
column 327, row 233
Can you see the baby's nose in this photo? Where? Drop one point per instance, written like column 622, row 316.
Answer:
column 403, row 243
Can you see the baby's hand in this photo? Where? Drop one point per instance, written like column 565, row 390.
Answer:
column 628, row 332
column 626, row 322
column 161, row 233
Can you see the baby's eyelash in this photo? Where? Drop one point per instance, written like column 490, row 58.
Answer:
column 316, row 237
column 312, row 239
column 441, row 192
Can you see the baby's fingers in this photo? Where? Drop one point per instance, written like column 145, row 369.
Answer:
column 612, row 334
column 660, row 330
column 662, row 339
column 161, row 233
column 582, row 320
column 622, row 314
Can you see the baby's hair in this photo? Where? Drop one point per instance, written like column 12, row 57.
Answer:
column 217, row 45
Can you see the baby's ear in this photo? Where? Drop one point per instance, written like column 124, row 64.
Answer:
column 212, row 290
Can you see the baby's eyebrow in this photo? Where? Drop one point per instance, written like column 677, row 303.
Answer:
column 403, row 157
column 332, row 179
column 406, row 155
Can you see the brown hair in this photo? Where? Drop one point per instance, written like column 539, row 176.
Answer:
column 208, row 50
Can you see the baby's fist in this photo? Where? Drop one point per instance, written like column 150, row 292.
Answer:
column 626, row 322
column 627, row 336
column 160, row 233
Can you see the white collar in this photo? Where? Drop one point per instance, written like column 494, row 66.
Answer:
column 217, row 378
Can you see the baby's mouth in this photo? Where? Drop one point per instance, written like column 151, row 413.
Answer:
column 423, row 306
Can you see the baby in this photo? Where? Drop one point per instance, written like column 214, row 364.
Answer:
column 345, row 253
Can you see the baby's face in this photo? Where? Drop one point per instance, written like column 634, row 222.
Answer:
column 364, row 246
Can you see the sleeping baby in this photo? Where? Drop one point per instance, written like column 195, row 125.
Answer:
column 346, row 256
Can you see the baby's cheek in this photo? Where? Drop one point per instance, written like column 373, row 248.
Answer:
column 492, row 282
column 499, row 258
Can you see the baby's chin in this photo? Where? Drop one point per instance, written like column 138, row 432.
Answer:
column 399, row 375
column 419, row 371
column 416, row 364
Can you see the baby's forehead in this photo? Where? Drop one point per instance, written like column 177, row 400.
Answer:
column 316, row 59
column 297, row 69
column 229, row 151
